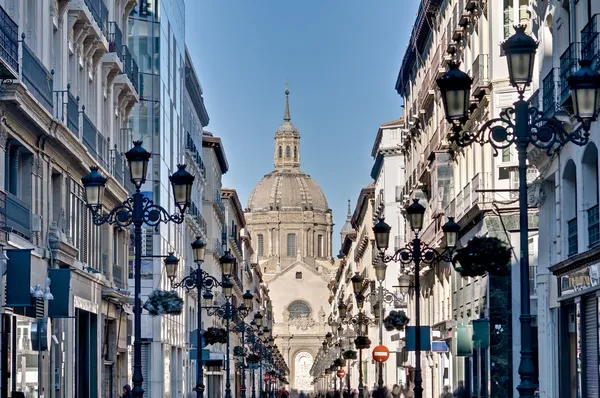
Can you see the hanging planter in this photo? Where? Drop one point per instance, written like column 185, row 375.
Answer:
column 396, row 320
column 162, row 302
column 350, row 354
column 362, row 342
column 238, row 351
column 481, row 255
column 253, row 358
column 215, row 336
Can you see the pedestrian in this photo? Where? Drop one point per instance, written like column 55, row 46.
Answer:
column 396, row 391
column 355, row 393
column 446, row 392
column 283, row 393
column 461, row 391
column 127, row 391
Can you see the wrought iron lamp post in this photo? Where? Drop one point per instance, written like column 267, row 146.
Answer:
column 137, row 211
column 246, row 332
column 414, row 254
column 227, row 311
column 201, row 281
column 522, row 125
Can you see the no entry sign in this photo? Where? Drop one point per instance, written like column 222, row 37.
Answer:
column 266, row 378
column 273, row 380
column 341, row 373
column 381, row 353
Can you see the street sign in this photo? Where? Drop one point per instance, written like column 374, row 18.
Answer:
column 273, row 380
column 266, row 378
column 341, row 374
column 381, row 353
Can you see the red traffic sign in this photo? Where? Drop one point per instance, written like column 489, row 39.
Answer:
column 243, row 388
column 273, row 380
column 266, row 378
column 341, row 373
column 381, row 353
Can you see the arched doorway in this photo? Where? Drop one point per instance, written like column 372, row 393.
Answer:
column 302, row 364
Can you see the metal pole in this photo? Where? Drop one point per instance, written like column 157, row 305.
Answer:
column 348, row 381
column 228, row 314
column 260, row 374
column 253, row 384
column 380, row 324
column 199, row 364
column 243, row 388
column 361, row 387
column 138, row 217
column 418, row 378
column 526, row 367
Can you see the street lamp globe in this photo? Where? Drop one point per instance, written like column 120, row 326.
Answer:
column 415, row 213
column 248, row 299
column 324, row 344
column 267, row 331
column 382, row 234
column 182, row 182
column 520, row 51
column 455, row 86
column 328, row 337
column 207, row 298
column 227, row 288
column 342, row 309
column 93, row 184
column 380, row 269
column 138, row 159
column 171, row 263
column 258, row 318
column 451, row 230
column 360, row 300
column 198, row 250
column 357, row 282
column 226, row 261
column 585, row 92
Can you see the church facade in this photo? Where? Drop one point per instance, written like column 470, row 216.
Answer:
column 291, row 226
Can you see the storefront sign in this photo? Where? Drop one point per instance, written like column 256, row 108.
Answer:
column 580, row 280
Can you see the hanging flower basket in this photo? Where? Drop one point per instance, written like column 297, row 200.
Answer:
column 238, row 351
column 340, row 362
column 395, row 320
column 215, row 336
column 253, row 358
column 481, row 255
column 362, row 342
column 350, row 354
column 162, row 302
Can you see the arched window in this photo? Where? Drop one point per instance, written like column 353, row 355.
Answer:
column 589, row 201
column 295, row 153
column 299, row 309
column 280, row 152
column 570, row 206
column 287, row 152
column 291, row 245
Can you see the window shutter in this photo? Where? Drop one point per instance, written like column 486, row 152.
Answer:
column 591, row 346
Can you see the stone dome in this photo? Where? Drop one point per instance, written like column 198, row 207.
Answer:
column 287, row 190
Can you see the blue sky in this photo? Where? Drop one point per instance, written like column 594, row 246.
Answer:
column 341, row 59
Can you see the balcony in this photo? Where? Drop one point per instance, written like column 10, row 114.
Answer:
column 37, row 78
column 590, row 41
column 118, row 166
column 95, row 142
column 99, row 13
column 218, row 204
column 16, row 213
column 194, row 154
column 550, row 93
column 196, row 217
column 572, row 237
column 569, row 63
column 593, row 226
column 115, row 40
column 9, row 47
column 131, row 68
column 66, row 109
column 481, row 75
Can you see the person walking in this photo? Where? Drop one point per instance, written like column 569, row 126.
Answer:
column 461, row 391
column 446, row 393
column 396, row 391
column 127, row 391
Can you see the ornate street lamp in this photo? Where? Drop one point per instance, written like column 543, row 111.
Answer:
column 520, row 51
column 137, row 211
column 585, row 93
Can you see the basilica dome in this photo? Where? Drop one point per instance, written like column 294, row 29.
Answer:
column 287, row 190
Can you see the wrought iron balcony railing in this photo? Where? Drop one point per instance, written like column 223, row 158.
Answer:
column 95, row 142
column 590, row 41
column 550, row 93
column 37, row 78
column 100, row 13
column 569, row 63
column 16, row 213
column 115, row 39
column 66, row 109
column 131, row 68
column 9, row 46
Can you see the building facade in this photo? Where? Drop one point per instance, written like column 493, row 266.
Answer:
column 291, row 224
column 67, row 92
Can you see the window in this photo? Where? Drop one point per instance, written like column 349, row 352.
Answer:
column 287, row 152
column 320, row 246
column 298, row 275
column 261, row 247
column 570, row 206
column 299, row 309
column 503, row 173
column 506, row 154
column 295, row 153
column 291, row 245
column 280, row 154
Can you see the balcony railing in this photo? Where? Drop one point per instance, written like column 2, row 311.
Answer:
column 131, row 68
column 118, row 165
column 572, row 236
column 218, row 202
column 37, row 78
column 590, row 41
column 17, row 214
column 9, row 46
column 481, row 72
column 115, row 40
column 191, row 147
column 95, row 142
column 550, row 93
column 66, row 109
column 100, row 13
column 593, row 226
column 568, row 65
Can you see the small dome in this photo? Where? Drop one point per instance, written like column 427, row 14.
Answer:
column 285, row 190
column 287, row 128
